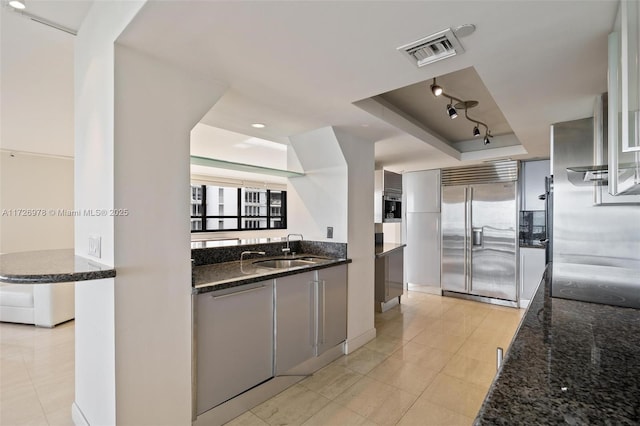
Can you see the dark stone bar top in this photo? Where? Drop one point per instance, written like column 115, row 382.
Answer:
column 218, row 276
column 216, row 264
column 386, row 248
column 50, row 266
column 570, row 362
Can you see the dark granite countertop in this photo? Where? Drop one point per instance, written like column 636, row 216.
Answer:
column 570, row 362
column 219, row 276
column 386, row 248
column 50, row 266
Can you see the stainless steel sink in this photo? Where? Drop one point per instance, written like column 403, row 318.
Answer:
column 314, row 259
column 283, row 263
column 291, row 262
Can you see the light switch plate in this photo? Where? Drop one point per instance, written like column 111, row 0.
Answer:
column 94, row 246
column 329, row 231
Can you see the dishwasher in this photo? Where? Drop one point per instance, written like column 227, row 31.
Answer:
column 233, row 342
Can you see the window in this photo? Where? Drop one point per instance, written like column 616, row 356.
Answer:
column 222, row 208
column 196, row 193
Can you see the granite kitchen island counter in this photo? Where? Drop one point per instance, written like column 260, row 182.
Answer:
column 570, row 362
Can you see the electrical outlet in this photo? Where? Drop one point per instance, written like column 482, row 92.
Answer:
column 94, row 246
column 329, row 231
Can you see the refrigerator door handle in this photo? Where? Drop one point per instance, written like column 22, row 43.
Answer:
column 467, row 222
column 468, row 239
column 477, row 237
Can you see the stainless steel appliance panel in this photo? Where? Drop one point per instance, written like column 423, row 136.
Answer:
column 332, row 327
column 296, row 325
column 234, row 340
column 454, row 238
column 389, row 276
column 493, row 242
column 596, row 249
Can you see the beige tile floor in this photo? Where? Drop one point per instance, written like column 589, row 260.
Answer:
column 36, row 374
column 430, row 364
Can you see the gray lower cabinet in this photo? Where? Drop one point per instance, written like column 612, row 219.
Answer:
column 332, row 311
column 234, row 342
column 295, row 320
column 389, row 277
column 311, row 315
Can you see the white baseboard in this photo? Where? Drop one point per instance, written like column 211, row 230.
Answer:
column 352, row 344
column 76, row 415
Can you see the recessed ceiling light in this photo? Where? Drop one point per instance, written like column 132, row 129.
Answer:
column 17, row 4
column 258, row 126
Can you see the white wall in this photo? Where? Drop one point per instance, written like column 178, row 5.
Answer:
column 36, row 75
column 392, row 232
column 39, row 182
column 319, row 198
column 36, row 133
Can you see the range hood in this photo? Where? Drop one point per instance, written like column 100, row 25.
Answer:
column 588, row 175
column 597, row 174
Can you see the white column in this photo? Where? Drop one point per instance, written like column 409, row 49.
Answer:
column 359, row 155
column 134, row 115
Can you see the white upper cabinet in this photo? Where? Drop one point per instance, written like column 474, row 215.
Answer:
column 533, row 174
column 422, row 191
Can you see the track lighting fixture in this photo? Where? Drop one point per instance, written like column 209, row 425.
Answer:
column 452, row 111
column 435, row 89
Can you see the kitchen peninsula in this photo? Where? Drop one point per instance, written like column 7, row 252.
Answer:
column 269, row 312
column 570, row 362
column 217, row 264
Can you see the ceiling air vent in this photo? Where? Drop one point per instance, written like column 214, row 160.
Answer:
column 435, row 47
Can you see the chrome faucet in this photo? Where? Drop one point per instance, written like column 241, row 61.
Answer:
column 287, row 249
column 261, row 253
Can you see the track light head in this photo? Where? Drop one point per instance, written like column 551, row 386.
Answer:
column 451, row 111
column 435, row 89
column 486, row 140
column 476, row 132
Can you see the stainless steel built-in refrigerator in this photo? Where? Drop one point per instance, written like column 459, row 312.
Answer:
column 479, row 238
